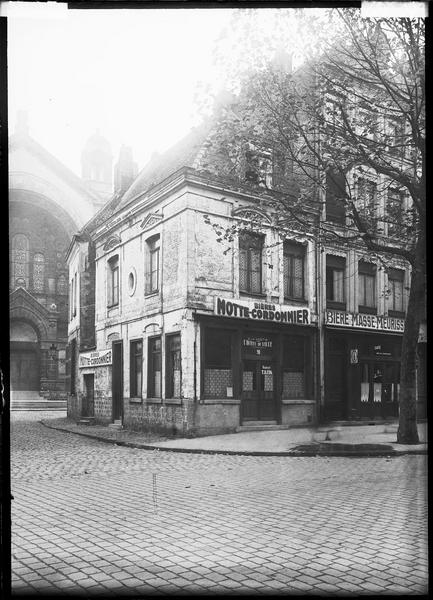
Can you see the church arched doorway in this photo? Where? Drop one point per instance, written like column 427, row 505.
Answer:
column 24, row 357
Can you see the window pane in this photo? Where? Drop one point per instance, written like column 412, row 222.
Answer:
column 154, row 368
column 361, row 290
column 298, row 277
column 293, row 367
column 338, row 277
column 370, row 299
column 256, row 284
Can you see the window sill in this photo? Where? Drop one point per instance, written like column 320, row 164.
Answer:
column 135, row 400
column 152, row 294
column 367, row 310
column 332, row 304
column 260, row 295
column 153, row 400
column 300, row 301
column 297, row 401
column 173, row 401
column 235, row 401
column 397, row 314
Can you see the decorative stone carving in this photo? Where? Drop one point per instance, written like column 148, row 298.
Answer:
column 112, row 242
column 251, row 214
column 150, row 220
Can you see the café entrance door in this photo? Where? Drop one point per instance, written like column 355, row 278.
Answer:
column 258, row 390
column 379, row 389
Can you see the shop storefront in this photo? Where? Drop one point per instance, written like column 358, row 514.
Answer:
column 263, row 355
column 362, row 366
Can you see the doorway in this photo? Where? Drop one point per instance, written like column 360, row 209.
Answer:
column 88, row 405
column 24, row 370
column 379, row 389
column 258, row 390
column 117, row 381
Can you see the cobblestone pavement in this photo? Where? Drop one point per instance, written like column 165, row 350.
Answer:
column 97, row 518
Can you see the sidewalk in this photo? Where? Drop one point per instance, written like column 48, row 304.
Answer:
column 362, row 440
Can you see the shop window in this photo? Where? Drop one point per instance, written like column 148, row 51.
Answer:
column 136, row 368
column 154, row 368
column 250, row 263
column 294, row 367
column 394, row 211
column 173, row 383
column 113, row 281
column 335, row 282
column 152, row 267
column 38, row 272
column 335, row 196
column 395, row 292
column 294, row 260
column 258, row 168
column 366, row 287
column 20, row 259
column 218, row 375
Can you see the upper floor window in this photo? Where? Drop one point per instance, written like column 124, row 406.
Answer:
column 366, row 200
column 396, row 136
column 294, row 259
column 136, row 369
column 258, row 168
column 250, row 262
column 20, row 260
column 394, row 211
column 113, row 281
column 335, row 281
column 335, row 197
column 173, row 384
column 154, row 368
column 38, row 272
column 395, row 292
column 366, row 286
column 152, row 267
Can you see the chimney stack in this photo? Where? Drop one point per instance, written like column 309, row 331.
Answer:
column 125, row 170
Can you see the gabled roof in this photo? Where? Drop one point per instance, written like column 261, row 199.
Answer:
column 17, row 141
column 183, row 154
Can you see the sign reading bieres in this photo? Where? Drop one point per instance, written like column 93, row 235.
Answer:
column 339, row 318
column 99, row 358
column 262, row 311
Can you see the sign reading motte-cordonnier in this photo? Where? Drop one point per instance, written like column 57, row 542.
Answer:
column 99, row 358
column 340, row 318
column 262, row 311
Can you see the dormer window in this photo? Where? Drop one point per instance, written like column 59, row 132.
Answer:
column 113, row 281
column 258, row 166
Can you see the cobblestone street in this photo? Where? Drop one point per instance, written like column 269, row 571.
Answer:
column 94, row 518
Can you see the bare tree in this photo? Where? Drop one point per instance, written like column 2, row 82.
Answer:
column 344, row 130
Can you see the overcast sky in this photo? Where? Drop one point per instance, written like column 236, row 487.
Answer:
column 130, row 73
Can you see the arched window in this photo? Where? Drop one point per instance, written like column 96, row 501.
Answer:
column 61, row 285
column 38, row 272
column 20, row 259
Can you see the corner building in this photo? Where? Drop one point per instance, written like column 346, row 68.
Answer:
column 193, row 335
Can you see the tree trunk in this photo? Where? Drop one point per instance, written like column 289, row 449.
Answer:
column 407, row 429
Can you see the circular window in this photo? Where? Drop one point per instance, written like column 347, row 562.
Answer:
column 132, row 281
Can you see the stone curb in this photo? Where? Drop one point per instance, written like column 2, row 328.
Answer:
column 311, row 451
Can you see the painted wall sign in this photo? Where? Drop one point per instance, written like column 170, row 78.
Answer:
column 262, row 311
column 339, row 318
column 99, row 358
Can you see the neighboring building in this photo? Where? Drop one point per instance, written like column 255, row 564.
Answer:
column 48, row 204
